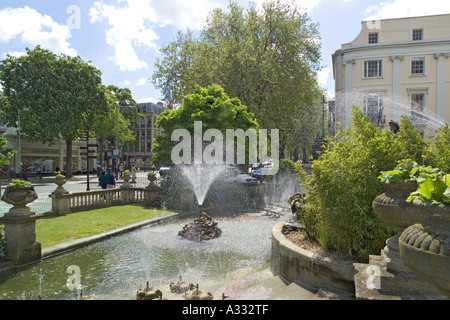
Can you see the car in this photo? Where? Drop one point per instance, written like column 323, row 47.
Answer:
column 245, row 179
column 163, row 171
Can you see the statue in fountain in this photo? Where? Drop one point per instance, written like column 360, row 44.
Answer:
column 149, row 293
column 203, row 228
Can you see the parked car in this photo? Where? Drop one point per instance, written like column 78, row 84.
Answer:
column 163, row 171
column 236, row 175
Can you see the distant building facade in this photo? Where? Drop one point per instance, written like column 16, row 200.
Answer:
column 396, row 67
column 146, row 132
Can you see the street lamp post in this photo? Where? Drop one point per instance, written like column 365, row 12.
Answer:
column 19, row 144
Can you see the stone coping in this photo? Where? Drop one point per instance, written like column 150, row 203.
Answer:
column 299, row 265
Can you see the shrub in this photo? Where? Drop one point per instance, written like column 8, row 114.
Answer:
column 440, row 149
column 343, row 185
column 2, row 242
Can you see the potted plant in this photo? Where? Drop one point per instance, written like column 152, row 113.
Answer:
column 19, row 193
column 424, row 246
column 151, row 176
column 60, row 180
column 126, row 179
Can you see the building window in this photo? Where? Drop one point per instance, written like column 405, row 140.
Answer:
column 373, row 37
column 373, row 107
column 417, row 106
column 418, row 66
column 373, row 69
column 417, row 34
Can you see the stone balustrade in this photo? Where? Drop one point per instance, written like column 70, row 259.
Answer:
column 65, row 203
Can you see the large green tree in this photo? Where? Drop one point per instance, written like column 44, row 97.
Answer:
column 210, row 105
column 121, row 109
column 62, row 94
column 267, row 58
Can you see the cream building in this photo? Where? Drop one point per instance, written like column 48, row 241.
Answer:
column 396, row 67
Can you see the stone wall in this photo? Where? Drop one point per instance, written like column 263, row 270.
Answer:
column 296, row 264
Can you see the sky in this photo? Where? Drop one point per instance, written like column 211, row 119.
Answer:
column 122, row 38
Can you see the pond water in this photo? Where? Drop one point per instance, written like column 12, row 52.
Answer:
column 116, row 268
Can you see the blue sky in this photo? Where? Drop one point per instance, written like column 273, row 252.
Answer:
column 121, row 37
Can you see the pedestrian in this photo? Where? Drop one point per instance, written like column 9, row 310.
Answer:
column 11, row 174
column 38, row 173
column 153, row 167
column 120, row 171
column 133, row 174
column 102, row 180
column 110, row 180
column 99, row 169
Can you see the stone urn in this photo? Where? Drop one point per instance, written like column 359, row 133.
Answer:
column 19, row 197
column 126, row 182
column 392, row 208
column 152, row 179
column 425, row 246
column 20, row 226
column 60, row 181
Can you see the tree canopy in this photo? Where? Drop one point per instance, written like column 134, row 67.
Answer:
column 62, row 94
column 210, row 105
column 267, row 58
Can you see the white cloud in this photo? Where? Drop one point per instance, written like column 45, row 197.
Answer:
column 146, row 100
column 141, row 82
column 322, row 76
column 132, row 23
column 406, row 8
column 34, row 29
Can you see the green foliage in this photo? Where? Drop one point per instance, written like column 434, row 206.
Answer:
column 406, row 170
column 343, row 185
column 413, row 146
column 16, row 183
column 62, row 94
column 2, row 242
column 5, row 156
column 440, row 151
column 434, row 187
column 210, row 105
column 261, row 57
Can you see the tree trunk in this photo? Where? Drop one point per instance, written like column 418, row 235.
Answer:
column 69, row 173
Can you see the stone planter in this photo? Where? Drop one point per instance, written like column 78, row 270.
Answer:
column 19, row 197
column 126, row 182
column 425, row 246
column 60, row 181
column 152, row 180
column 392, row 208
column 20, row 226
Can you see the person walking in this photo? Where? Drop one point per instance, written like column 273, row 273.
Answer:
column 120, row 171
column 11, row 174
column 133, row 174
column 102, row 180
column 110, row 180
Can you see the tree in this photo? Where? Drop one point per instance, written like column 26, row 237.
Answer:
column 63, row 94
column 268, row 59
column 104, row 128
column 212, row 107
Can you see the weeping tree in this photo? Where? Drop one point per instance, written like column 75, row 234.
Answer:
column 266, row 58
column 62, row 94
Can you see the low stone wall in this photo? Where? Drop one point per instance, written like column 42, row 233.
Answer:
column 296, row 264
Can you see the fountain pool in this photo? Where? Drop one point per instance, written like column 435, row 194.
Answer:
column 117, row 267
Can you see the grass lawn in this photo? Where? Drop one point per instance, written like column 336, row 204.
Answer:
column 51, row 231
